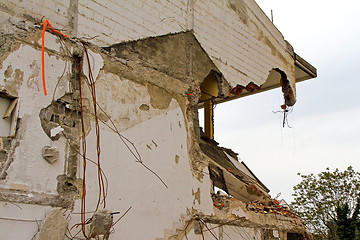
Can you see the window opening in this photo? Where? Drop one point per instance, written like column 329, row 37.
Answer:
column 209, row 92
column 7, row 122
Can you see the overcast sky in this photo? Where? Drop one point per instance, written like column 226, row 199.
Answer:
column 325, row 122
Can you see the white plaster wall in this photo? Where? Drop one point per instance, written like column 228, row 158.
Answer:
column 234, row 232
column 214, row 228
column 154, row 207
column 111, row 21
column 20, row 221
column 244, row 52
column 161, row 139
column 29, row 171
column 240, row 50
column 121, row 99
column 225, row 232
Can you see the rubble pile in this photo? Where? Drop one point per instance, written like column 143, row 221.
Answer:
column 275, row 208
column 219, row 201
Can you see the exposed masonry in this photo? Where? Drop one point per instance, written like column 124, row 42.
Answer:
column 4, row 150
column 60, row 113
column 150, row 90
column 7, row 148
column 57, row 114
column 65, row 113
column 5, row 154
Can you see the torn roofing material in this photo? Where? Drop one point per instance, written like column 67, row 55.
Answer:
column 230, row 166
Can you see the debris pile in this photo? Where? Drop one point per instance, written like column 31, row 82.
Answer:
column 275, row 208
column 220, row 201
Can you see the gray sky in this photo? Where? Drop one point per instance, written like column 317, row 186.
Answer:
column 326, row 118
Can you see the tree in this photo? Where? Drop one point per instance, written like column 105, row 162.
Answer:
column 317, row 199
column 346, row 223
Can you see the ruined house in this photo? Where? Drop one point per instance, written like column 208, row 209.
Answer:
column 100, row 136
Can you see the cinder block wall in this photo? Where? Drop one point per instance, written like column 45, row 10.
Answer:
column 115, row 21
column 237, row 35
column 105, row 22
column 240, row 40
column 55, row 10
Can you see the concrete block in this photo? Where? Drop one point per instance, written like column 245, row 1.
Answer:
column 101, row 224
column 50, row 154
column 53, row 226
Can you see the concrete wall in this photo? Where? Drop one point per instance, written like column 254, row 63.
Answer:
column 153, row 119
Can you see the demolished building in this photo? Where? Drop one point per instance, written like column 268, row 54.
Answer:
column 100, row 136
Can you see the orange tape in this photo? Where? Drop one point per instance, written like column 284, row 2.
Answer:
column 43, row 57
column 43, row 50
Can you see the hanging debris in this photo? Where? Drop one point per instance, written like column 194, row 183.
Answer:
column 274, row 208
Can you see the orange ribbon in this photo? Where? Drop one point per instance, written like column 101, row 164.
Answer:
column 43, row 52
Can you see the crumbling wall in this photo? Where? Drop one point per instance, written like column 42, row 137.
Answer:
column 155, row 120
column 31, row 161
column 5, row 152
column 25, row 83
column 130, row 97
column 241, row 41
column 236, row 34
column 116, row 133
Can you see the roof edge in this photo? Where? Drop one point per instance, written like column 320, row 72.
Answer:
column 305, row 66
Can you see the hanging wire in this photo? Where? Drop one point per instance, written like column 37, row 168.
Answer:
column 83, row 197
column 202, row 221
column 101, row 199
column 102, row 179
column 112, row 225
column 90, row 160
column 286, row 110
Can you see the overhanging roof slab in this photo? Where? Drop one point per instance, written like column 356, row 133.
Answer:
column 182, row 56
